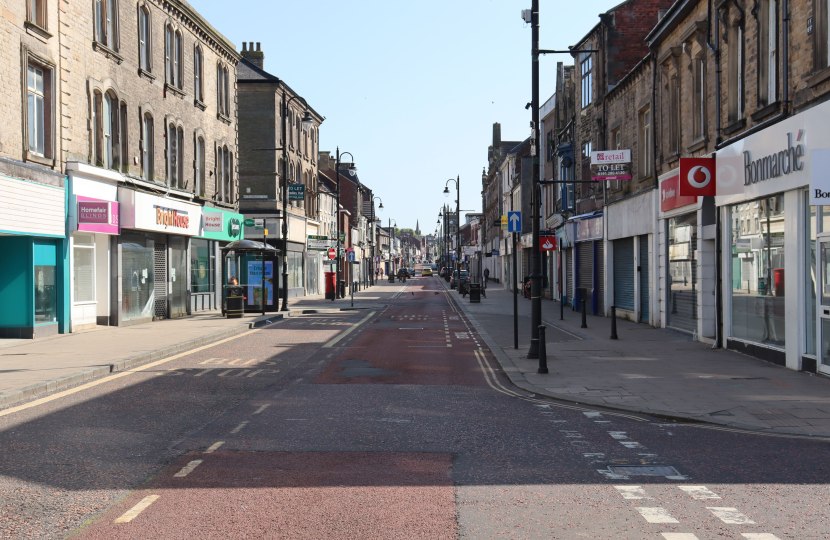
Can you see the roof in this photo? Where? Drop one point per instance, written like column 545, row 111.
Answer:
column 248, row 73
column 516, row 148
column 676, row 12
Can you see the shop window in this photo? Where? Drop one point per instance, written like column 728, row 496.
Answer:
column 83, row 268
column 810, row 281
column 46, row 295
column 145, row 39
column 758, row 267
column 295, row 269
column 138, row 283
column 682, row 269
column 106, row 23
column 202, row 266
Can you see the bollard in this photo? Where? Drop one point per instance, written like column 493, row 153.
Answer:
column 543, row 355
column 613, row 322
column 584, row 315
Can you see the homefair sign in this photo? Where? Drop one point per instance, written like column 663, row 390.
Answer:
column 611, row 165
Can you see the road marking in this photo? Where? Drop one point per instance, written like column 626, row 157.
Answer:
column 656, row 515
column 679, row 536
column 133, row 512
column 225, row 373
column 213, row 447
column 631, row 444
column 632, row 492
column 205, row 371
column 262, row 408
column 760, row 536
column 618, row 434
column 239, row 427
column 96, row 382
column 331, row 343
column 251, row 374
column 187, row 469
column 592, row 414
column 730, row 516
column 699, row 492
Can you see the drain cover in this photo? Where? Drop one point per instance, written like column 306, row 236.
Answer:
column 643, row 470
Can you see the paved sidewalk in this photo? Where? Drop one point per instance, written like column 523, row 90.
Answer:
column 30, row 368
column 650, row 370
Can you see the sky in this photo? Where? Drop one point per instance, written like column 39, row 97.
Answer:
column 411, row 89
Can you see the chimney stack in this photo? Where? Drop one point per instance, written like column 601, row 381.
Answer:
column 256, row 57
column 496, row 136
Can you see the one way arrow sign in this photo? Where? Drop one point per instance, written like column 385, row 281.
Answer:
column 514, row 222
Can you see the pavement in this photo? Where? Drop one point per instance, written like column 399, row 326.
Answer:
column 32, row 368
column 647, row 370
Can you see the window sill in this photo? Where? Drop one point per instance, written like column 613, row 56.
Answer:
column 40, row 160
column 37, row 31
column 735, row 126
column 223, row 118
column 106, row 51
column 672, row 156
column 819, row 77
column 198, row 103
column 146, row 74
column 178, row 92
column 699, row 145
column 762, row 113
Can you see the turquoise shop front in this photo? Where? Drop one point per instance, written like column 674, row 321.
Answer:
column 218, row 228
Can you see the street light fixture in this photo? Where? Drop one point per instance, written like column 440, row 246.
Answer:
column 352, row 172
column 457, row 182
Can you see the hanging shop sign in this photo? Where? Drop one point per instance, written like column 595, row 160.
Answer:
column 527, row 240
column 609, row 165
column 147, row 212
column 589, row 229
column 670, row 197
column 296, row 192
column 96, row 215
column 319, row 243
column 221, row 225
column 547, row 243
column 697, row 177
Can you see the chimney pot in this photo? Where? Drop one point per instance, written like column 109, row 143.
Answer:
column 244, row 47
column 257, row 46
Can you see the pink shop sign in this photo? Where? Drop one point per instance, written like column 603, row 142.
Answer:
column 95, row 215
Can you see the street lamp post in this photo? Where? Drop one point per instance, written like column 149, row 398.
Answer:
column 372, row 241
column 352, row 172
column 392, row 244
column 457, row 182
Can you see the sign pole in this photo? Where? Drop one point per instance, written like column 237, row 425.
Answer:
column 264, row 293
column 515, row 298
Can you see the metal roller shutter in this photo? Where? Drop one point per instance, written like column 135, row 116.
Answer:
column 160, row 278
column 683, row 300
column 644, row 284
column 624, row 273
column 569, row 274
column 600, row 262
column 585, row 274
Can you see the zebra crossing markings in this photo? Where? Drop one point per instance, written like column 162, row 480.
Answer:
column 730, row 516
column 632, row 492
column 699, row 492
column 656, row 514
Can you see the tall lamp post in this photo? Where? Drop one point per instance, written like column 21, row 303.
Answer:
column 352, row 171
column 372, row 240
column 457, row 182
column 392, row 244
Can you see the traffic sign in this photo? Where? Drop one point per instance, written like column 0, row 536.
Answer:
column 514, row 222
column 351, row 256
column 248, row 222
column 332, row 253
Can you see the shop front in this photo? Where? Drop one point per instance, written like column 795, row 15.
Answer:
column 776, row 242
column 34, row 296
column 589, row 263
column 153, row 257
column 218, row 228
column 93, row 223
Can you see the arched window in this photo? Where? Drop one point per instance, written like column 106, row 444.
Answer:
column 290, row 179
column 173, row 57
column 220, row 89
column 197, row 74
column 227, row 92
column 147, row 146
column 291, row 133
column 199, row 177
column 228, row 180
column 108, row 131
column 172, row 156
column 145, row 36
column 124, row 153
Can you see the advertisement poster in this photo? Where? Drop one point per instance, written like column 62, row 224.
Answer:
column 255, row 283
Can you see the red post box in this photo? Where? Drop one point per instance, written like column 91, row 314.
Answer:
column 330, row 279
column 779, row 281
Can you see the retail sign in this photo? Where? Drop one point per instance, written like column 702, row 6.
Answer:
column 603, row 157
column 95, row 215
column 496, row 253
column 218, row 224
column 697, row 177
column 589, row 229
column 248, row 222
column 504, row 223
column 318, row 243
column 214, row 221
column 670, row 197
column 147, row 212
column 527, row 240
column 296, row 192
column 470, row 251
column 820, row 177
column 547, row 243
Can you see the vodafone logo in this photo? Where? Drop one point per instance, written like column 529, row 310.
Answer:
column 699, row 177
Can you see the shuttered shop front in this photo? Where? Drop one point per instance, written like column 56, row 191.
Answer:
column 682, row 278
column 624, row 273
column 585, row 254
column 644, row 286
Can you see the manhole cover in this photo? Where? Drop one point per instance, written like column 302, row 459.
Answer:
column 362, row 368
column 643, row 470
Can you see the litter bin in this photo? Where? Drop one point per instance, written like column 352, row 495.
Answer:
column 330, row 280
column 342, row 288
column 475, row 292
column 234, row 302
column 391, row 278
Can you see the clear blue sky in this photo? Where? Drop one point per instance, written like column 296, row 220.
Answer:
column 410, row 88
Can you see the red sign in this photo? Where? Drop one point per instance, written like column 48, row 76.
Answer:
column 697, row 177
column 332, row 253
column 670, row 197
column 547, row 243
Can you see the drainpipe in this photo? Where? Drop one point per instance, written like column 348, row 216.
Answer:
column 785, row 65
column 716, row 53
column 653, row 123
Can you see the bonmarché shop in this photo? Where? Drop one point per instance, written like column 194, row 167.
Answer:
column 776, row 241
column 154, row 256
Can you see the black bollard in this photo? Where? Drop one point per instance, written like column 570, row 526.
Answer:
column 613, row 322
column 543, row 355
column 584, row 315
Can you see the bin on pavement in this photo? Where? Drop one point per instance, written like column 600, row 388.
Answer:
column 475, row 292
column 342, row 288
column 234, row 302
column 391, row 278
column 330, row 280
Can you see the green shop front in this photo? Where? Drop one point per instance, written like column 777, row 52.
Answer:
column 219, row 227
column 34, row 273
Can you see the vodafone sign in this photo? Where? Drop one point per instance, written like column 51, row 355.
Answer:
column 697, row 177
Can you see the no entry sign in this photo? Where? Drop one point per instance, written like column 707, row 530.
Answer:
column 332, row 253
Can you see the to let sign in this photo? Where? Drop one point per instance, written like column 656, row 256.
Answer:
column 296, row 192
column 611, row 165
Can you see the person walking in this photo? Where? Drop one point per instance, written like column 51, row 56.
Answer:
column 486, row 276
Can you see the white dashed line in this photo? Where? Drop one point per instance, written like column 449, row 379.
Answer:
column 730, row 516
column 214, row 447
column 679, row 536
column 262, row 408
column 759, row 536
column 632, row 492
column 619, row 435
column 592, row 414
column 187, row 469
column 631, row 444
column 656, row 515
column 133, row 512
column 239, row 427
column 699, row 492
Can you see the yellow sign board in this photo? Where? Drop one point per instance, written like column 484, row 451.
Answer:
column 504, row 223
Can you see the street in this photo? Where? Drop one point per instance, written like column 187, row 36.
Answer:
column 393, row 421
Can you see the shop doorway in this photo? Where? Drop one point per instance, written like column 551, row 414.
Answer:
column 160, row 273
column 824, row 309
column 178, row 276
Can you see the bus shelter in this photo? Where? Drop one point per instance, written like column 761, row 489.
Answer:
column 250, row 278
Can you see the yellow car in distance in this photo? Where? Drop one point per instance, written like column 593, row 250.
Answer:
column 426, row 272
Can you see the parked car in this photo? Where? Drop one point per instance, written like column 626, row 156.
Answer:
column 434, row 266
column 454, row 282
